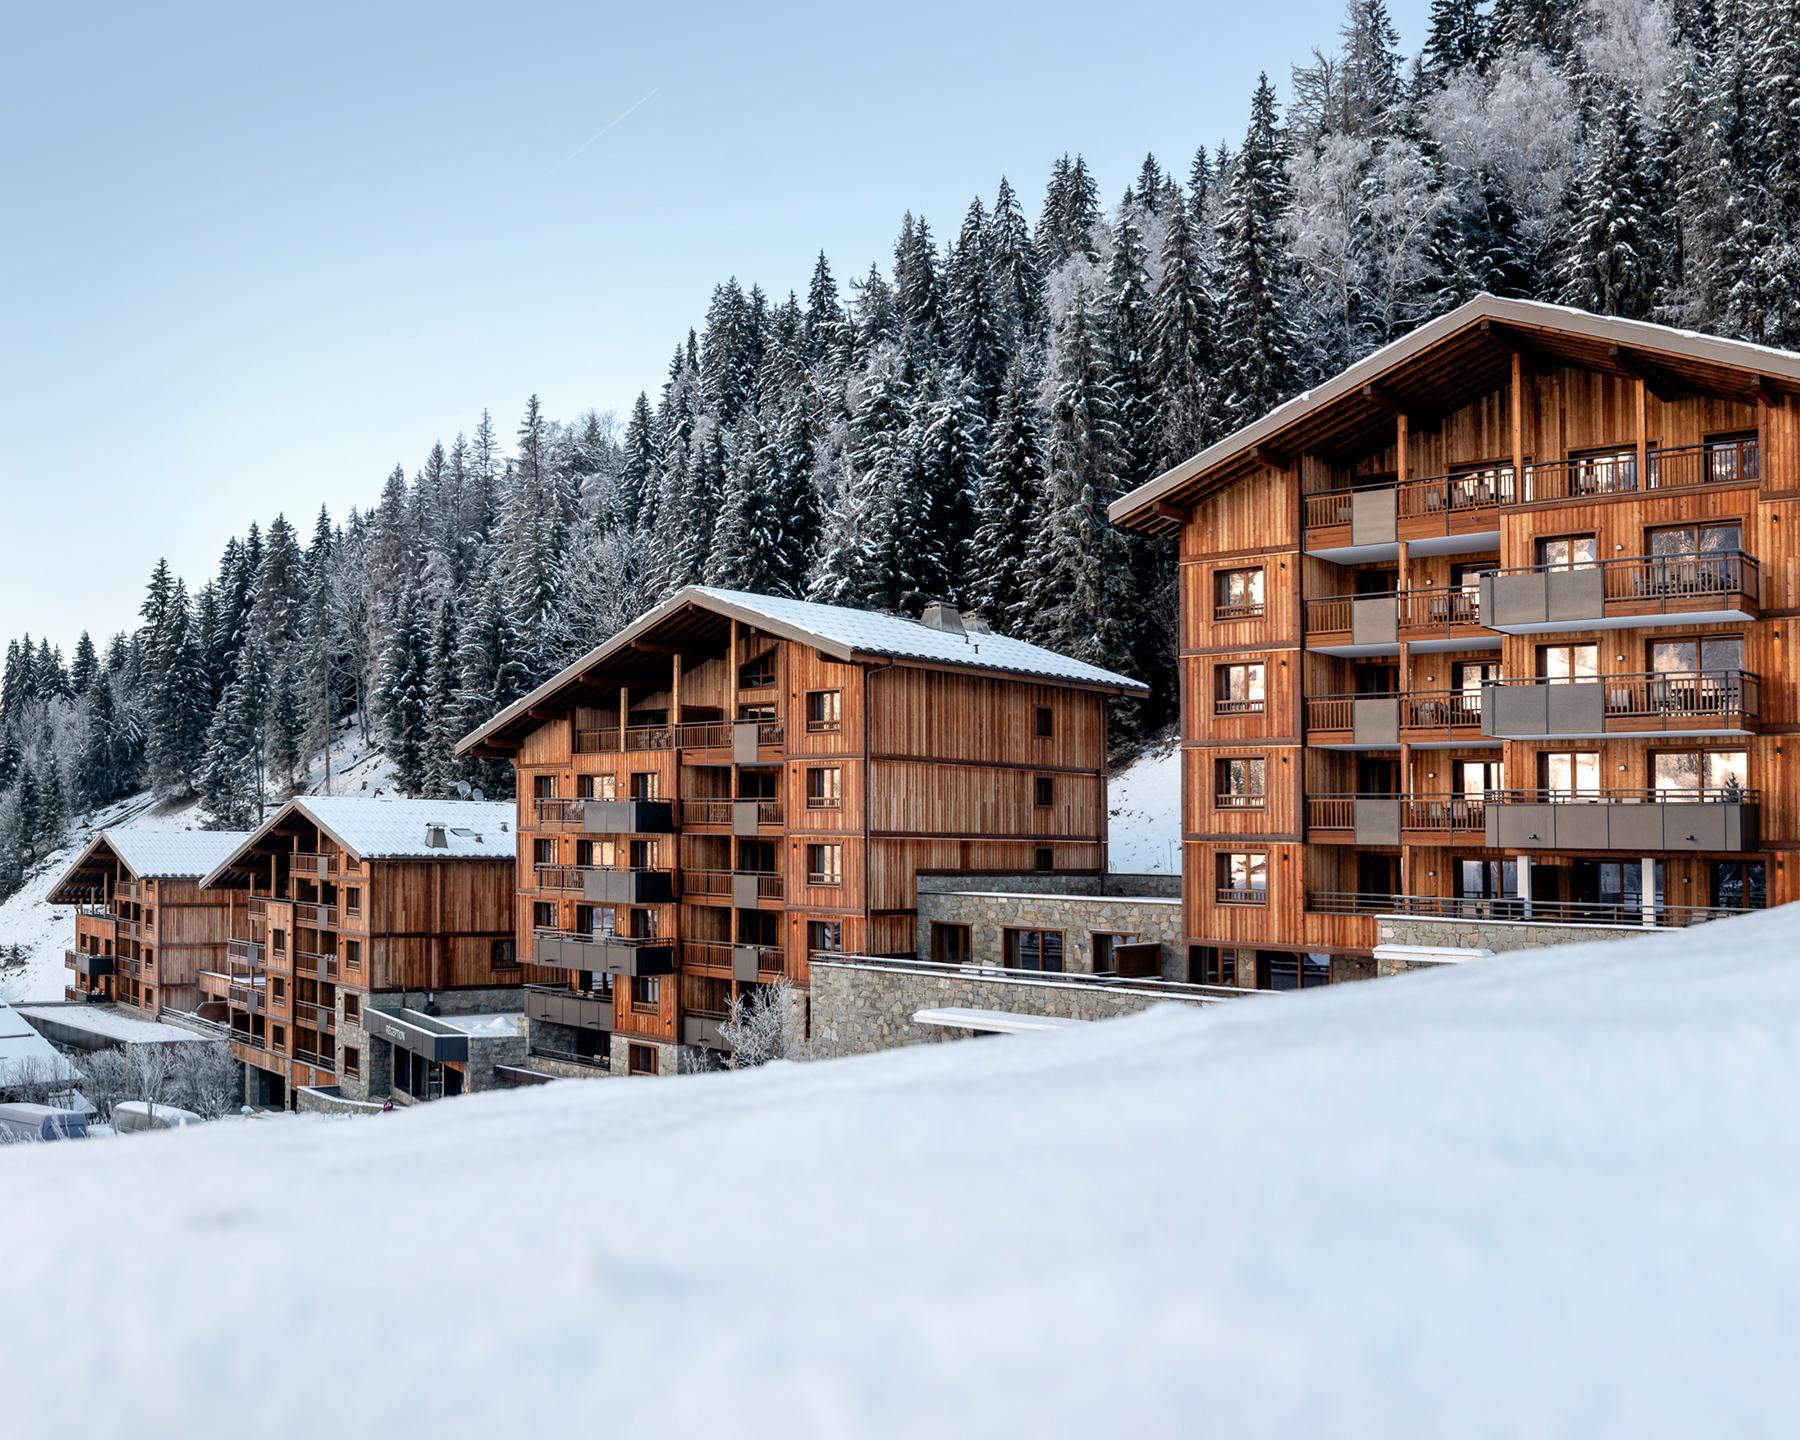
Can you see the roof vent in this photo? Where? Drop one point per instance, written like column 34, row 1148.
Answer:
column 436, row 838
column 940, row 616
column 975, row 624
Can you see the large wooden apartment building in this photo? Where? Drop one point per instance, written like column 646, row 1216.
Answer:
column 736, row 781
column 1498, row 624
column 144, row 929
column 361, row 930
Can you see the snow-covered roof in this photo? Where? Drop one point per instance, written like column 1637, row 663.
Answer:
column 383, row 828
column 1605, row 330
column 22, row 1049
column 845, row 634
column 150, row 855
column 103, row 1023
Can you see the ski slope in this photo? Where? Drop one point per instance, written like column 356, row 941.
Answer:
column 1143, row 803
column 1549, row 1195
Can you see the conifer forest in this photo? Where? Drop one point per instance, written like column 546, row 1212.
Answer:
column 952, row 425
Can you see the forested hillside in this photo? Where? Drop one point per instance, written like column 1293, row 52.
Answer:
column 955, row 424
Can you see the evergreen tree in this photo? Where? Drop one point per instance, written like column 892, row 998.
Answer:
column 1007, row 510
column 1128, row 322
column 233, row 777
column 1610, row 265
column 1258, row 352
column 1182, row 348
column 81, row 672
column 1016, row 276
column 403, row 692
column 1456, row 40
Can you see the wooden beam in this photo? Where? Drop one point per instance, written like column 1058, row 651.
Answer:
column 1516, row 345
column 1273, row 459
column 1771, row 393
column 1178, row 513
column 1639, row 368
column 1380, row 398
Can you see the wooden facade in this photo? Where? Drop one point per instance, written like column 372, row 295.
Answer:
column 141, row 939
column 703, row 807
column 1498, row 624
column 320, row 933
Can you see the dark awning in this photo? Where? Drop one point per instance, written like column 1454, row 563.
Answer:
column 416, row 1032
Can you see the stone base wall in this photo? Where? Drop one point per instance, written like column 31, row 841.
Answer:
column 1031, row 882
column 1079, row 917
column 563, row 1069
column 856, row 1011
column 329, row 1100
column 1496, row 935
column 668, row 1057
column 486, row 1052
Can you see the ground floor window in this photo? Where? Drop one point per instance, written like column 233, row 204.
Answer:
column 825, row 935
column 951, row 944
column 1739, row 884
column 1034, row 949
column 1290, row 970
column 641, row 1059
column 1105, row 943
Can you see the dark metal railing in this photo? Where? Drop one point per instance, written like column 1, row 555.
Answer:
column 1665, row 581
column 1666, row 696
column 1510, row 907
column 1417, row 812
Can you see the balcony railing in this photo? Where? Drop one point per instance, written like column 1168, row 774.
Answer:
column 313, row 865
column 1232, row 895
column 607, row 740
column 557, row 812
column 315, row 917
column 1425, row 712
column 706, row 812
column 557, row 877
column 315, row 1058
column 1615, row 472
column 316, row 962
column 246, row 952
column 321, row 1017
column 1510, row 907
column 257, row 907
column 1452, row 813
column 769, row 884
column 706, row 882
column 1383, row 619
column 1644, row 701
column 1544, row 597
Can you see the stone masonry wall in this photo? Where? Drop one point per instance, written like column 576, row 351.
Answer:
column 1079, row 917
column 1496, row 935
column 856, row 1011
column 1031, row 882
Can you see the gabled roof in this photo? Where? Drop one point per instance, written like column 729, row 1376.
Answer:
column 25, row 1053
column 843, row 634
column 380, row 828
column 147, row 854
column 1448, row 362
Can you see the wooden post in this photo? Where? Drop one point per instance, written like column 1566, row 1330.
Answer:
column 1642, row 407
column 675, row 688
column 1518, row 430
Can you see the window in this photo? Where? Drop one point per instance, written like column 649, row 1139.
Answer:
column 543, row 915
column 543, row 852
column 352, row 1006
column 646, row 785
column 543, row 787
column 1568, row 552
column 1104, row 944
column 1678, row 540
column 597, row 787
column 1713, row 774
column 1243, row 877
column 951, row 944
column 352, row 954
column 1570, row 773
column 641, row 1059
column 1739, row 884
column 1711, row 655
column 1033, row 949
column 1239, row 783
column 278, row 941
column 503, row 955
column 1479, row 779
column 1214, row 965
column 1568, row 662
column 1238, row 594
column 1043, row 791
column 1238, row 689
column 1603, row 472
column 1732, row 457
column 646, row 992
column 826, row 936
column 824, row 711
column 824, row 787
column 353, row 899
column 352, row 1060
column 278, row 1039
column 825, row 864
column 1044, row 722
column 278, row 986
column 757, row 674
column 1286, row 970
column 1043, row 860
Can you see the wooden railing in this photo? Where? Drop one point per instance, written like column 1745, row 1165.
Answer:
column 1223, row 706
column 1241, row 610
column 714, row 953
column 257, row 907
column 313, row 864
column 1440, row 710
column 1336, row 712
column 315, row 1058
column 1439, row 609
column 1231, row 895
column 315, row 917
column 769, row 883
column 1696, row 795
column 555, row 811
column 706, row 812
column 1330, row 614
column 770, row 959
column 557, row 877
column 1465, row 491
column 636, row 738
column 705, row 882
column 1239, row 802
column 249, row 952
column 1417, row 812
column 317, row 963
column 322, row 1018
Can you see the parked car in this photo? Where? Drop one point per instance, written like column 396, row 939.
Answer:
column 42, row 1122
column 130, row 1116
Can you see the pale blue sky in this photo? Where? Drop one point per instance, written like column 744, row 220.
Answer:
column 253, row 256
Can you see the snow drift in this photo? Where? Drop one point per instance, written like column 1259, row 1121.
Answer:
column 1552, row 1194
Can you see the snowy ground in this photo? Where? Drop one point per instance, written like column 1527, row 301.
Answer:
column 46, row 930
column 1144, row 813
column 1549, row 1195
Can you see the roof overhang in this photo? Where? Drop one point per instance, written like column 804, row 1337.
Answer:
column 417, row 1033
column 87, row 873
column 1444, row 364
column 645, row 647
column 237, row 864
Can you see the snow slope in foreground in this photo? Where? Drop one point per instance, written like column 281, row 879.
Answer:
column 1551, row 1195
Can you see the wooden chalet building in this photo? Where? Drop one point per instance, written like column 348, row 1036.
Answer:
column 361, row 930
column 144, row 929
column 736, row 781
column 1495, row 626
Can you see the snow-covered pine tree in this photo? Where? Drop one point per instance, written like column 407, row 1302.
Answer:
column 1258, row 351
column 85, row 663
column 1182, row 347
column 402, row 693
column 1455, row 40
column 1016, row 274
column 1009, row 506
column 1611, row 264
column 976, row 344
column 1127, row 321
column 949, row 467
column 233, row 776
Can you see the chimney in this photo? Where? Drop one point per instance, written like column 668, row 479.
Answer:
column 436, row 838
column 940, row 616
column 974, row 624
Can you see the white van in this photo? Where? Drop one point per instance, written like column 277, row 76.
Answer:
column 42, row 1122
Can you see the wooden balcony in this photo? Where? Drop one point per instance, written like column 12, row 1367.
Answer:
column 704, row 1029
column 1441, row 514
column 92, row 967
column 1723, row 820
column 1433, row 718
column 558, row 813
column 635, row 738
column 620, row 956
column 1427, row 619
column 314, row 962
column 311, row 865
column 621, row 885
column 315, row 917
column 1232, row 895
column 1389, row 819
column 1614, row 472
column 246, row 952
column 1636, row 592
column 1700, row 702
column 628, row 817
column 744, row 739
